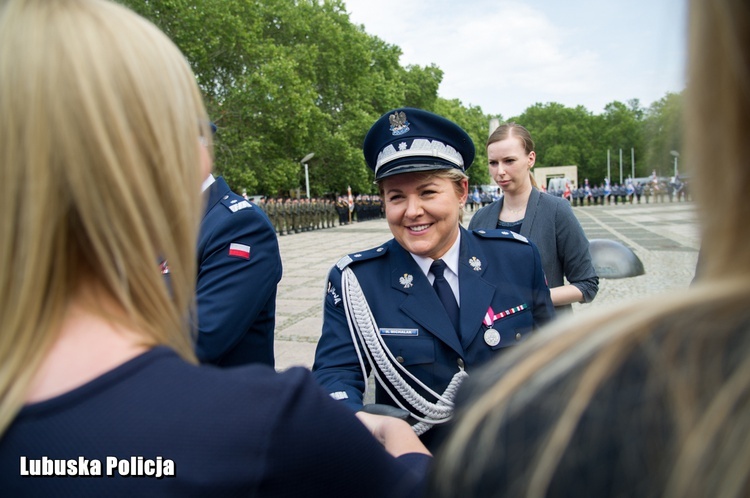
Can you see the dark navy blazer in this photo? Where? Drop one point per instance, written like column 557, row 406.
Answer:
column 236, row 290
column 245, row 431
column 497, row 269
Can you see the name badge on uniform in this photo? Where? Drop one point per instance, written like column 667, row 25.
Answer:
column 400, row 332
column 240, row 205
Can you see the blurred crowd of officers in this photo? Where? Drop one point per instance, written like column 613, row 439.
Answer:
column 480, row 199
column 654, row 190
column 289, row 215
column 631, row 192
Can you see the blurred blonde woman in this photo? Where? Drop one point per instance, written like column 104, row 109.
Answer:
column 104, row 144
column 652, row 399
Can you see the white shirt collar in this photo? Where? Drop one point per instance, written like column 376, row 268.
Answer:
column 450, row 258
column 207, row 182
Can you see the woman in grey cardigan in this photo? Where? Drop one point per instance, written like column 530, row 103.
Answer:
column 546, row 220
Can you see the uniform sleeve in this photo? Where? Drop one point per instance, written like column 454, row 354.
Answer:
column 234, row 288
column 573, row 252
column 337, row 366
column 324, row 448
column 543, row 311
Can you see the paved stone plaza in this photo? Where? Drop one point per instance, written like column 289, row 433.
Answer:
column 663, row 236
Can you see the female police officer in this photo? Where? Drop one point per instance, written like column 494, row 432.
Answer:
column 393, row 311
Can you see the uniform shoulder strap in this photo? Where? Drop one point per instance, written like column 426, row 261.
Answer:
column 501, row 233
column 361, row 256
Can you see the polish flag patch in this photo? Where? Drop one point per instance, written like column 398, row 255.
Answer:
column 239, row 251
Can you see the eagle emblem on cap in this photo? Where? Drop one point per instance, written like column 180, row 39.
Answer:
column 399, row 124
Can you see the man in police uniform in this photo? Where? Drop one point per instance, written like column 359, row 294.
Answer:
column 239, row 268
column 419, row 348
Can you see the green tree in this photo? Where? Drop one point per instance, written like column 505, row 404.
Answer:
column 662, row 128
column 563, row 136
column 476, row 124
column 283, row 78
column 622, row 129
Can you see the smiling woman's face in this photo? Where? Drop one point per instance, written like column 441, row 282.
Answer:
column 422, row 212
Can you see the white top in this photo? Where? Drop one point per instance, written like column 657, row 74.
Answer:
column 207, row 182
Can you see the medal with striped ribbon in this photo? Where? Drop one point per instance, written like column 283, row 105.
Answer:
column 492, row 336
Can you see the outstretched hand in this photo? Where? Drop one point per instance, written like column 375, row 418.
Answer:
column 394, row 434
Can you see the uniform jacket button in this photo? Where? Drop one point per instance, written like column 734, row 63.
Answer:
column 400, row 359
column 518, row 336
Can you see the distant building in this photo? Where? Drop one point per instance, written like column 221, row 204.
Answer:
column 567, row 174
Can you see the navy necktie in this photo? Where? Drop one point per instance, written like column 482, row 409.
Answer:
column 444, row 292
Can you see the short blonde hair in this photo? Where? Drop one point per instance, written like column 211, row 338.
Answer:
column 456, row 176
column 100, row 170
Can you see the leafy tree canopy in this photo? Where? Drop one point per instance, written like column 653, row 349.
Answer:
column 283, row 78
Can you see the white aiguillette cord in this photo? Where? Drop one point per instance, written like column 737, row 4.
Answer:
column 362, row 327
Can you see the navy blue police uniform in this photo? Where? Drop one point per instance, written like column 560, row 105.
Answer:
column 382, row 296
column 499, row 271
column 239, row 268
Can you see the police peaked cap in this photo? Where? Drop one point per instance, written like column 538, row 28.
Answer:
column 406, row 140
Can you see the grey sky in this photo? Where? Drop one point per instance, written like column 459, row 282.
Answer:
column 505, row 55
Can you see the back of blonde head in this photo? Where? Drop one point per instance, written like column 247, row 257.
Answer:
column 717, row 125
column 100, row 177
column 660, row 385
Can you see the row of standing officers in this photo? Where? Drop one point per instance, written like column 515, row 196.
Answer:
column 289, row 216
column 623, row 194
